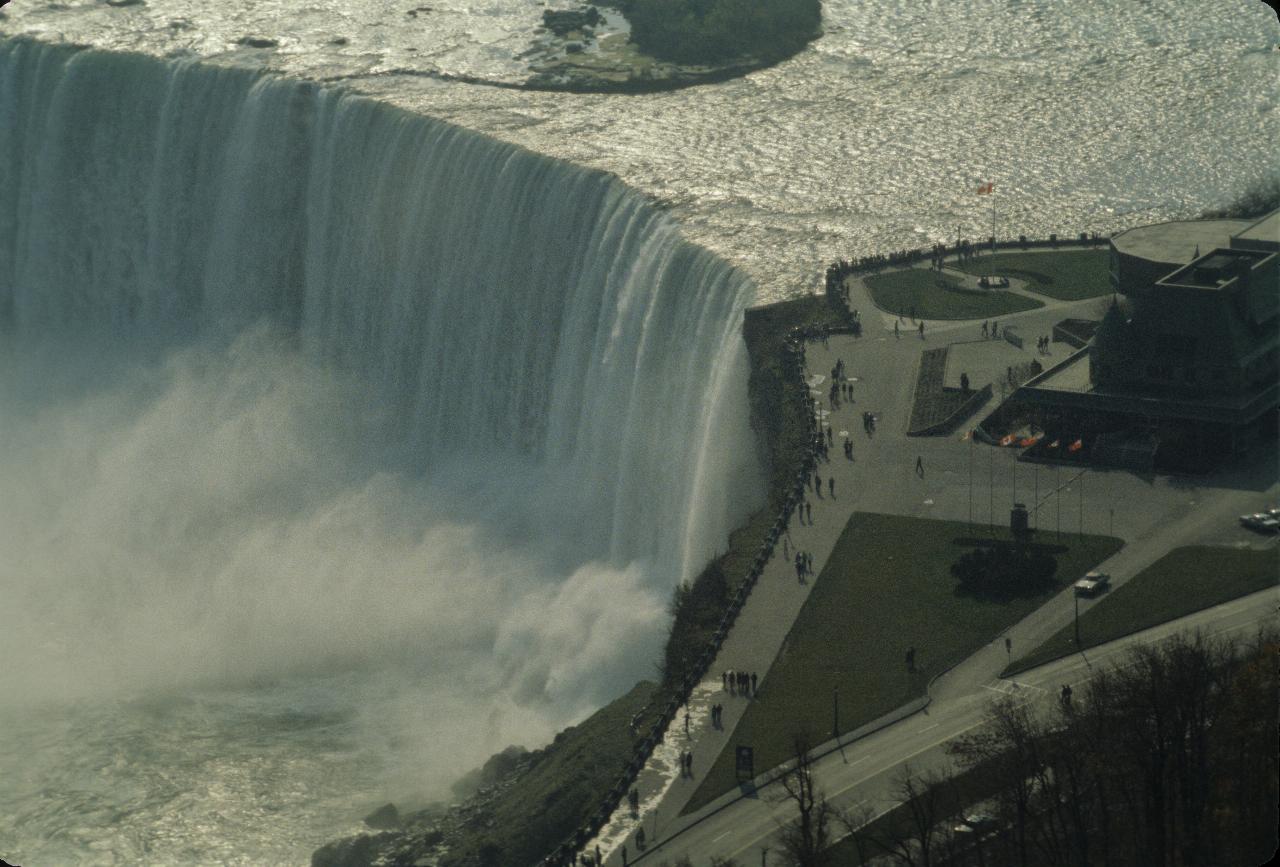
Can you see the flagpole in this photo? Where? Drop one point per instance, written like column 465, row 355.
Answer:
column 1057, row 496
column 1036, row 514
column 991, row 496
column 993, row 220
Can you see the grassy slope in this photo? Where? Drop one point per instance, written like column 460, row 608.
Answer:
column 886, row 587
column 1069, row 275
column 1181, row 582
column 899, row 291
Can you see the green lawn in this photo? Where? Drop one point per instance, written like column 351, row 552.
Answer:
column 1070, row 275
column 917, row 288
column 1181, row 582
column 886, row 587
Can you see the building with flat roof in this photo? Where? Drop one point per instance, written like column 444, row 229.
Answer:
column 1187, row 358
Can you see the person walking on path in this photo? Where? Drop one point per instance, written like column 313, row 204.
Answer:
column 831, row 486
column 920, row 466
column 808, row 509
column 895, row 330
column 922, row 329
column 753, row 684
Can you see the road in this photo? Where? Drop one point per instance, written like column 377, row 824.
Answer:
column 867, row 771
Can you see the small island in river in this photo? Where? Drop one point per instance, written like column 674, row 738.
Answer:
column 642, row 46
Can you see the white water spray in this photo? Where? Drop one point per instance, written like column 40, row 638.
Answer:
column 291, row 378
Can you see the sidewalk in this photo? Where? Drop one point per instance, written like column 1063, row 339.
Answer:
column 757, row 636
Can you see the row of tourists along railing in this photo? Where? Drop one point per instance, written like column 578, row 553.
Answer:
column 793, row 361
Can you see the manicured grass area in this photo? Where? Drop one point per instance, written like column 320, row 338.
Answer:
column 1181, row 582
column 900, row 292
column 886, row 587
column 1069, row 275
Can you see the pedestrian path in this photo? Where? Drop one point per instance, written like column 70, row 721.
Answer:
column 751, row 646
column 881, row 476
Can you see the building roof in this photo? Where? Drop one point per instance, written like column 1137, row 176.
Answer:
column 1179, row 242
column 1263, row 234
column 1214, row 270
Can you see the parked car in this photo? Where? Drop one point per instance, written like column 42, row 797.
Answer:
column 1092, row 584
column 978, row 824
column 1264, row 522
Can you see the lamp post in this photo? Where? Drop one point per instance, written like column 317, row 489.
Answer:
column 970, row 481
column 991, row 493
column 1081, row 505
column 1077, row 598
column 835, row 712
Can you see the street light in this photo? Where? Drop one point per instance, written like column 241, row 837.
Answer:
column 1077, row 598
column 835, row 711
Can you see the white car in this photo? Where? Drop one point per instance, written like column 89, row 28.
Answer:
column 1092, row 584
column 1263, row 521
column 977, row 824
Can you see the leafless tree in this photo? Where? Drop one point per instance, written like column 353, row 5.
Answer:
column 806, row 840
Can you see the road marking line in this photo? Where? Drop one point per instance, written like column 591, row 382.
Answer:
column 927, row 728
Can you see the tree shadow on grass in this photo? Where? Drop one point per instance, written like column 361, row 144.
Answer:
column 1002, row 571
column 1052, row 548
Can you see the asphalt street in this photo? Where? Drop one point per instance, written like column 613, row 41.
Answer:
column 867, row 771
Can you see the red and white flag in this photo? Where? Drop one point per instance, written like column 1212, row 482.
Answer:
column 1008, row 440
column 1076, row 446
column 1055, row 444
column 987, row 188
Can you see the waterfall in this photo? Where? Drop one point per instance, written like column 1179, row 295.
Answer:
column 289, row 374
column 497, row 298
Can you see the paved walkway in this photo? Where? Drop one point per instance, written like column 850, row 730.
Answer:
column 961, row 481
